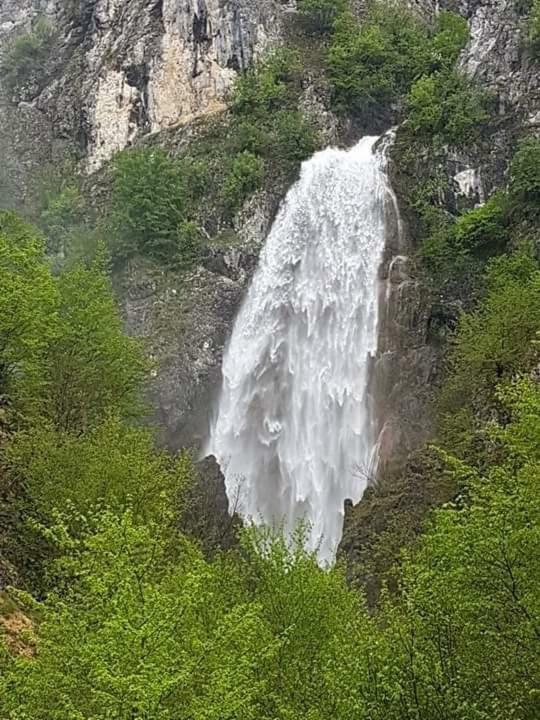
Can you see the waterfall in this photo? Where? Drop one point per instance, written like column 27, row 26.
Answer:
column 295, row 433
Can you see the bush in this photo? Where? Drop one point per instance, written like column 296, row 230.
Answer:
column 293, row 138
column 113, row 466
column 455, row 252
column 319, row 15
column 244, row 178
column 534, row 29
column 371, row 65
column 26, row 55
column 268, row 86
column 525, row 174
column 448, row 106
column 449, row 39
column 484, row 230
column 266, row 121
column 497, row 341
column 153, row 204
column 62, row 214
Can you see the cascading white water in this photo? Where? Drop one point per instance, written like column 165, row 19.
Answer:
column 295, row 434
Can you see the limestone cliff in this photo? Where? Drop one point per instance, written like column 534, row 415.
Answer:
column 119, row 69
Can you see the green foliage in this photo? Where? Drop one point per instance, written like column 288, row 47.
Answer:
column 268, row 86
column 26, row 55
column 140, row 636
column 245, row 177
column 62, row 215
column 267, row 122
column 319, row 15
column 456, row 250
column 447, row 106
column 373, row 64
column 153, row 197
column 63, row 353
column 370, row 64
column 534, row 29
column 29, row 303
column 143, row 632
column 525, row 176
column 497, row 341
column 450, row 37
column 484, row 230
column 113, row 466
column 92, row 368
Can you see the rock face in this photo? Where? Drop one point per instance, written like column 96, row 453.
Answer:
column 411, row 353
column 184, row 322
column 119, row 69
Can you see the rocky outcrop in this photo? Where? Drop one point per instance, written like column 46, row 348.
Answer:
column 184, row 321
column 415, row 321
column 207, row 515
column 119, row 69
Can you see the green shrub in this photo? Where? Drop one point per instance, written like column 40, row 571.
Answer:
column 484, row 230
column 525, row 174
column 268, row 86
column 448, row 106
column 372, row 64
column 319, row 15
column 293, row 138
column 455, row 252
column 153, row 204
column 266, row 122
column 26, row 54
column 63, row 212
column 449, row 38
column 534, row 29
column 245, row 177
column 113, row 466
column 496, row 341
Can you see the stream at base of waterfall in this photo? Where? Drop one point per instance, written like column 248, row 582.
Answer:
column 295, row 431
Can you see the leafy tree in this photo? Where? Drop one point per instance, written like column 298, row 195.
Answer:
column 494, row 343
column 448, row 106
column 152, row 201
column 93, row 368
column 143, row 632
column 371, row 65
column 471, row 592
column 29, row 304
column 525, row 175
column 141, row 635
column 113, row 466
